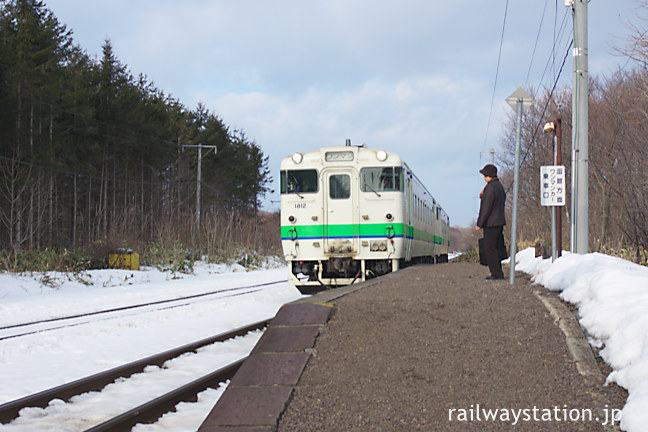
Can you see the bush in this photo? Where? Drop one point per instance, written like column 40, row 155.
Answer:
column 45, row 260
column 172, row 257
column 471, row 256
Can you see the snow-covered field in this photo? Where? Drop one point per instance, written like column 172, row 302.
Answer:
column 41, row 360
column 611, row 295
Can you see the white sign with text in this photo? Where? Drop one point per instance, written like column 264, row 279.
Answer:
column 552, row 185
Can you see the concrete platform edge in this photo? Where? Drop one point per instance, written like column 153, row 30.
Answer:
column 268, row 376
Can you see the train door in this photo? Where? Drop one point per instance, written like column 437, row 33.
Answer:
column 341, row 230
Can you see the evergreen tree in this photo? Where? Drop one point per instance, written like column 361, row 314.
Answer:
column 90, row 153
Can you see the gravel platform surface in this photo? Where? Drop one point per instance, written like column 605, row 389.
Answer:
column 432, row 348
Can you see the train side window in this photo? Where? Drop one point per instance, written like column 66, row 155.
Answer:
column 339, row 186
column 298, row 181
column 398, row 178
column 373, row 179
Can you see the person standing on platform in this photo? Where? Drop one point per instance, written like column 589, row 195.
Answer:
column 492, row 219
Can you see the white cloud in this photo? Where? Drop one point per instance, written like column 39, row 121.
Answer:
column 425, row 119
column 414, row 76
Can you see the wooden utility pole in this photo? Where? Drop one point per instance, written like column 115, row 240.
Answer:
column 199, row 178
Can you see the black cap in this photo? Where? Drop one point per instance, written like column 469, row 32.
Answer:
column 489, row 170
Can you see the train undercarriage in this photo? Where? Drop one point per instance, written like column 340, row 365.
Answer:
column 313, row 276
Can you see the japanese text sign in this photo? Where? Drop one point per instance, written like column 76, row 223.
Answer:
column 552, row 185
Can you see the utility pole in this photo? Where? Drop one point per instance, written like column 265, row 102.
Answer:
column 492, row 152
column 580, row 148
column 199, row 177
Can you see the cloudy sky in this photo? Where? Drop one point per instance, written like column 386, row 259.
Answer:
column 416, row 77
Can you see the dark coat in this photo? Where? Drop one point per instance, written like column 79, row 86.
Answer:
column 491, row 209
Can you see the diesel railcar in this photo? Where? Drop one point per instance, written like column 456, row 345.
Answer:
column 349, row 213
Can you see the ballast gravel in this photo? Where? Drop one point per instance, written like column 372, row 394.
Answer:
column 433, row 347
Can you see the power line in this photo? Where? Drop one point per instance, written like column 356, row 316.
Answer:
column 499, row 57
column 544, row 110
column 535, row 46
column 551, row 61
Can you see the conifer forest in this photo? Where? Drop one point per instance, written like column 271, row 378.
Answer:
column 92, row 157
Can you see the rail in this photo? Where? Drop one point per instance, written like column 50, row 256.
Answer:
column 10, row 410
column 233, row 292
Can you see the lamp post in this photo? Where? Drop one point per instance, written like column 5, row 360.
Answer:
column 520, row 101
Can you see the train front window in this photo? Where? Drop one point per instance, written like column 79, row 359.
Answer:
column 381, row 179
column 298, row 181
column 339, row 186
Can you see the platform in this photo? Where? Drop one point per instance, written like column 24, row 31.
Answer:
column 431, row 348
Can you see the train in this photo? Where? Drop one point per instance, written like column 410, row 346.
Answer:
column 350, row 213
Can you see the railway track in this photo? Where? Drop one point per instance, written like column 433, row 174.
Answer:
column 145, row 413
column 50, row 324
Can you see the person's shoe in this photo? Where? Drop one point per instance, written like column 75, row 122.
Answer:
column 494, row 277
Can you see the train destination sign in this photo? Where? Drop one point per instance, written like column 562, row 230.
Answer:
column 552, row 185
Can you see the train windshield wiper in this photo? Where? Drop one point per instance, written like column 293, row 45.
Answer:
column 294, row 188
column 372, row 189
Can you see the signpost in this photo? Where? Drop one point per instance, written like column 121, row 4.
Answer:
column 552, row 194
column 552, row 185
column 558, row 199
column 520, row 101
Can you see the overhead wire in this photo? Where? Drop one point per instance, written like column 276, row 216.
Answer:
column 535, row 46
column 557, row 39
column 544, row 110
column 499, row 57
column 551, row 61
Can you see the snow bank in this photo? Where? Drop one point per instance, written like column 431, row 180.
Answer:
column 612, row 299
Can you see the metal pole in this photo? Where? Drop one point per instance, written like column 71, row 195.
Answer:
column 554, row 254
column 554, row 247
column 574, row 185
column 198, row 190
column 580, row 203
column 559, row 162
column 516, row 176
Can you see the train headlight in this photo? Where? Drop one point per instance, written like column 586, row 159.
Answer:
column 291, row 218
column 381, row 155
column 297, row 158
column 389, row 216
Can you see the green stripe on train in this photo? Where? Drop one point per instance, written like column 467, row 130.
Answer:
column 361, row 230
column 418, row 234
column 346, row 230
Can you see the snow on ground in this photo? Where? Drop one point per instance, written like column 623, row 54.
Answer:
column 611, row 295
column 35, row 362
column 612, row 299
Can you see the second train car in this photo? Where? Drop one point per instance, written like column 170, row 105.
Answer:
column 349, row 213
